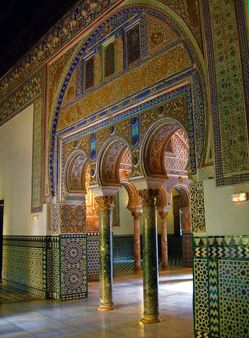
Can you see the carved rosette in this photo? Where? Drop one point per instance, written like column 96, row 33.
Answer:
column 105, row 202
column 148, row 196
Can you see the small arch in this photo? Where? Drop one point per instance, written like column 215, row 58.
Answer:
column 154, row 147
column 114, row 162
column 75, row 169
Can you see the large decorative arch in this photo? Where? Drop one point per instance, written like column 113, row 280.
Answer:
column 159, row 9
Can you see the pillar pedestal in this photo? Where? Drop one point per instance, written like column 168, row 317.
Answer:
column 150, row 257
column 105, row 206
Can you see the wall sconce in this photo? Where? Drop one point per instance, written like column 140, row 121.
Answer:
column 35, row 217
column 240, row 197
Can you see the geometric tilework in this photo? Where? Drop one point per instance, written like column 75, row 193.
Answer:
column 221, row 284
column 93, row 256
column 24, row 263
column 197, row 207
column 234, row 298
column 73, row 266
column 225, row 30
column 53, row 267
column 201, row 299
column 46, row 266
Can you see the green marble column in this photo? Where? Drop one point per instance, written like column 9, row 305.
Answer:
column 150, row 257
column 105, row 206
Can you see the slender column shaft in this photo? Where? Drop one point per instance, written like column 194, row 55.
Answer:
column 137, row 255
column 105, row 204
column 150, row 257
column 164, row 239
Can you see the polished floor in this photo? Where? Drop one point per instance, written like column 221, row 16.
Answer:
column 47, row 318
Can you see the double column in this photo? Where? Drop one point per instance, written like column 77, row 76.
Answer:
column 105, row 207
column 150, row 256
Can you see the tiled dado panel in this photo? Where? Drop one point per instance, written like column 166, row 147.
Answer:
column 52, row 266
column 221, row 286
column 24, row 263
column 73, row 262
column 93, row 256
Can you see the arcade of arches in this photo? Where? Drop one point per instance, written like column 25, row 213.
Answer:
column 128, row 123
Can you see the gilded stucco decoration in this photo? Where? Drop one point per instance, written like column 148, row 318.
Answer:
column 188, row 10
column 158, row 33
column 156, row 69
column 73, row 218
column 22, row 97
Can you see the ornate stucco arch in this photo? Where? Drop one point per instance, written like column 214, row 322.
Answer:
column 153, row 150
column 108, row 162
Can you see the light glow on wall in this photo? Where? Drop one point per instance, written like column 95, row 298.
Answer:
column 240, row 197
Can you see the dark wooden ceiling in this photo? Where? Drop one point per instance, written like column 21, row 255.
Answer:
column 23, row 23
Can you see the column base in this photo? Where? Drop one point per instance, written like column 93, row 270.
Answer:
column 164, row 267
column 150, row 319
column 105, row 307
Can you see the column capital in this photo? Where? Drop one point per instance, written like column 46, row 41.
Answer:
column 136, row 212
column 163, row 214
column 148, row 196
column 105, row 202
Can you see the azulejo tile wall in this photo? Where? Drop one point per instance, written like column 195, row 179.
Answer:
column 221, row 272
column 73, row 266
column 49, row 266
column 24, row 263
column 228, row 75
column 93, row 256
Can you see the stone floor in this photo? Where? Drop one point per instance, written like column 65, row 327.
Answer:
column 47, row 318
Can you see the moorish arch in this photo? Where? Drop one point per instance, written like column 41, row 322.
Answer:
column 161, row 81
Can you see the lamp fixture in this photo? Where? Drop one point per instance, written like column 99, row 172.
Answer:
column 240, row 197
column 35, row 217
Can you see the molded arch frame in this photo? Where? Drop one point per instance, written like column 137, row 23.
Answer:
column 150, row 136
column 75, row 58
column 104, row 151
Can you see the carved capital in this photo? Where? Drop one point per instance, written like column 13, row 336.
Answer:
column 148, row 196
column 163, row 215
column 105, row 202
column 136, row 213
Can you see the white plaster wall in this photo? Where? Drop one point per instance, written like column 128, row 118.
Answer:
column 126, row 220
column 222, row 216
column 15, row 176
